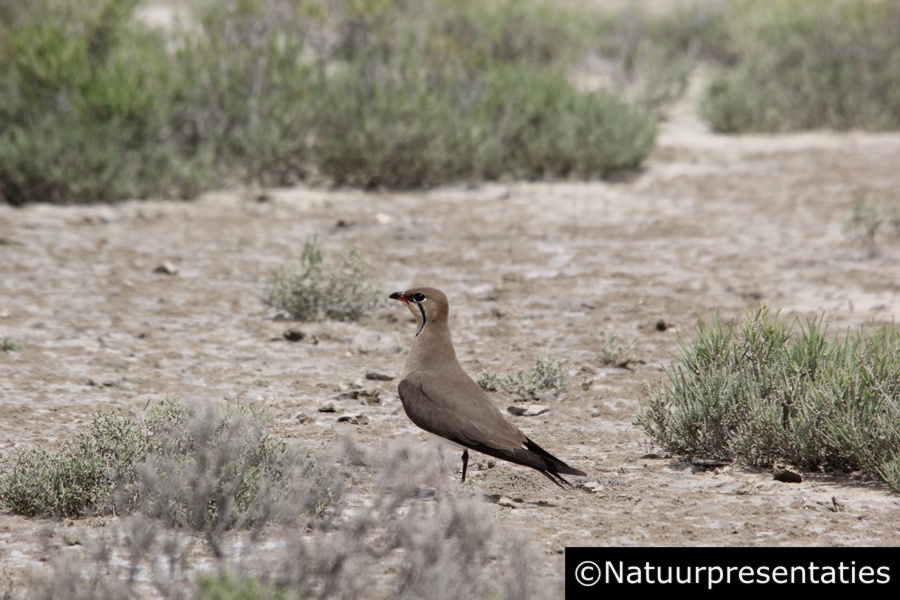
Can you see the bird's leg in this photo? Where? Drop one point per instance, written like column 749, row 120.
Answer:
column 465, row 463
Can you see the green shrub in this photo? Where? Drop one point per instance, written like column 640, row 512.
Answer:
column 413, row 533
column 868, row 218
column 807, row 65
column 94, row 473
column 763, row 392
column 316, row 291
column 270, row 92
column 237, row 586
column 539, row 126
column 86, row 94
column 546, row 374
column 209, row 470
column 615, row 349
column 387, row 133
column 649, row 55
column 8, row 344
column 247, row 93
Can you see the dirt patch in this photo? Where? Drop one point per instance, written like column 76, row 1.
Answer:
column 712, row 224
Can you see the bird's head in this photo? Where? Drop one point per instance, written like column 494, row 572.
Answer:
column 427, row 305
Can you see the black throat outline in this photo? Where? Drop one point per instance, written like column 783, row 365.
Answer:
column 424, row 318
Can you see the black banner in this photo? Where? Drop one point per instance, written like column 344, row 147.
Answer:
column 596, row 572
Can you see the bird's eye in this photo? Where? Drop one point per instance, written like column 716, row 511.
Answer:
column 418, row 297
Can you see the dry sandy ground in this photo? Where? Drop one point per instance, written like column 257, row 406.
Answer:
column 712, row 224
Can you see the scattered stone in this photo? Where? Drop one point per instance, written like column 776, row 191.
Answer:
column 702, row 464
column 369, row 397
column 293, row 335
column 532, row 410
column 536, row 409
column 328, row 407
column 301, row 418
column 95, row 383
column 831, row 505
column 661, row 325
column 785, row 475
column 426, row 492
column 507, row 502
column 594, row 487
column 376, row 376
column 166, row 268
column 72, row 537
column 354, row 419
column 11, row 241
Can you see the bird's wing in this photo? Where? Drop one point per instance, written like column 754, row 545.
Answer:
column 470, row 419
column 461, row 411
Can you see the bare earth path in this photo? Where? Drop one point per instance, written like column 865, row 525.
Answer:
column 711, row 224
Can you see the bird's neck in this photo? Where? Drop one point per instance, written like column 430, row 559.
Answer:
column 431, row 347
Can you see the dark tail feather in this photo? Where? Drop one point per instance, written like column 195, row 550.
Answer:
column 555, row 478
column 532, row 456
column 554, row 465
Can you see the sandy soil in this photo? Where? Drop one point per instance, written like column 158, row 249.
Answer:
column 712, row 224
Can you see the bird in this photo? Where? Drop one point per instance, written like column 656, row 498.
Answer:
column 441, row 398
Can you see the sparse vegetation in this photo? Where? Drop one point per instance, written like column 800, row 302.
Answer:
column 435, row 539
column 86, row 98
column 615, row 349
column 865, row 226
column 386, row 94
column 547, row 374
column 809, row 65
column 317, row 291
column 205, row 469
column 764, row 391
column 376, row 94
column 8, row 344
column 94, row 473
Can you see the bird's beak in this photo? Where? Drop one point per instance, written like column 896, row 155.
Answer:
column 398, row 296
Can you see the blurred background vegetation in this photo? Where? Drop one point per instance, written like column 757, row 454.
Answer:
column 97, row 104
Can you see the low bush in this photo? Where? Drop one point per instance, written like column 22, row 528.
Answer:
column 86, row 102
column 317, row 291
column 272, row 92
column 547, row 374
column 415, row 534
column 764, row 392
column 203, row 469
column 872, row 221
column 809, row 65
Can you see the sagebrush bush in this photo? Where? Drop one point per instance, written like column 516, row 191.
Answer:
column 871, row 222
column 9, row 344
column 414, row 534
column 615, row 349
column 94, row 473
column 247, row 92
column 763, row 392
column 808, row 65
column 376, row 94
column 86, row 102
column 204, row 469
column 547, row 374
column 315, row 290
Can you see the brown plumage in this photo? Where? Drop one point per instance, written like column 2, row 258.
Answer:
column 441, row 398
